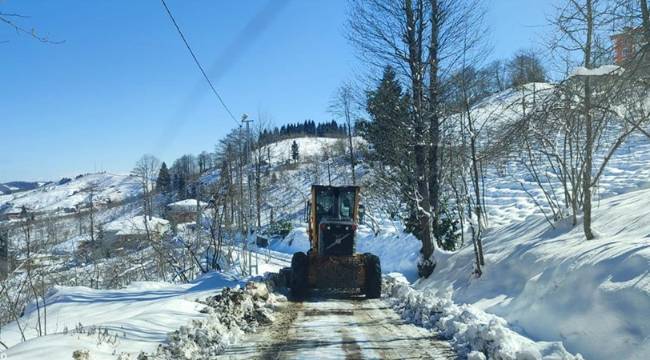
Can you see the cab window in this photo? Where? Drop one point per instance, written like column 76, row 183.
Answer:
column 347, row 204
column 325, row 205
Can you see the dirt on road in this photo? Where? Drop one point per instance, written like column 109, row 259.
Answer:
column 340, row 328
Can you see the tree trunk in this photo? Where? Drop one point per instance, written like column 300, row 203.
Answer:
column 434, row 120
column 413, row 40
column 424, row 213
column 645, row 15
column 92, row 219
column 589, row 146
column 354, row 178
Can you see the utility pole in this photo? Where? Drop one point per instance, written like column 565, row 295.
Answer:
column 241, row 184
column 247, row 121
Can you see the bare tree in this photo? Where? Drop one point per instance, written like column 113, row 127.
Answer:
column 393, row 33
column 91, row 189
column 343, row 105
column 419, row 39
column 577, row 35
column 146, row 170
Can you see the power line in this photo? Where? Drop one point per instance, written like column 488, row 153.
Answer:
column 214, row 90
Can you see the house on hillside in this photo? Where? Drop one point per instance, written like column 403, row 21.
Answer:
column 627, row 44
column 18, row 213
column 133, row 232
column 184, row 211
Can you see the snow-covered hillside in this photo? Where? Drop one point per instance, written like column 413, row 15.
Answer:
column 593, row 295
column 508, row 194
column 110, row 188
column 280, row 152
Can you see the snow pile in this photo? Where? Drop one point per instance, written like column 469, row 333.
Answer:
column 70, row 245
column 231, row 313
column 471, row 330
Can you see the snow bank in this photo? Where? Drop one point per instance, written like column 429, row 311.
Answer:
column 472, row 331
column 186, row 205
column 398, row 251
column 296, row 241
column 554, row 285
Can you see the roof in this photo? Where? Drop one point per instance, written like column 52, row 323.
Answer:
column 135, row 225
column 187, row 203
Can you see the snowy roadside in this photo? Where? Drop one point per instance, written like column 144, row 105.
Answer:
column 124, row 323
column 231, row 314
column 470, row 330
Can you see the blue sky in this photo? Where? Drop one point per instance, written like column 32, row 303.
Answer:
column 122, row 84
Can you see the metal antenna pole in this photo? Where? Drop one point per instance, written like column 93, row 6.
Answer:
column 247, row 121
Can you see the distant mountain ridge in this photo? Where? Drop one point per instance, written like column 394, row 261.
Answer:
column 18, row 186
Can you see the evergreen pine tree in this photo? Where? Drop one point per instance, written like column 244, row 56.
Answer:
column 387, row 132
column 295, row 155
column 164, row 180
column 389, row 114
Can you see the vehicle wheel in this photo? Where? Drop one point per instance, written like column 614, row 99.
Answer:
column 373, row 276
column 299, row 273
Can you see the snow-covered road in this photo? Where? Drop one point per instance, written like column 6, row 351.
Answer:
column 340, row 328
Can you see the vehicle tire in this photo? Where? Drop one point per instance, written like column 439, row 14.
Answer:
column 299, row 274
column 373, row 276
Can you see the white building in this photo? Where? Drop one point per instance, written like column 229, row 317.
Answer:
column 184, row 211
column 135, row 229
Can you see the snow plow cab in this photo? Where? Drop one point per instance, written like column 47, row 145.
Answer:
column 331, row 263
